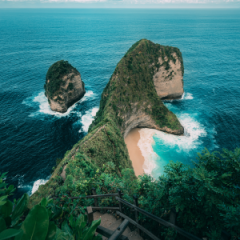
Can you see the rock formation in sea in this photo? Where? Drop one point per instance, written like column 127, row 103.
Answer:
column 63, row 86
column 130, row 100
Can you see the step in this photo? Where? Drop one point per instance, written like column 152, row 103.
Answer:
column 106, row 219
column 110, row 222
column 134, row 236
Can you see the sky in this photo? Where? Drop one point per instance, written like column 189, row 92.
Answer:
column 120, row 4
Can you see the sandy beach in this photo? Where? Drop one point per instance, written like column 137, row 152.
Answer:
column 134, row 151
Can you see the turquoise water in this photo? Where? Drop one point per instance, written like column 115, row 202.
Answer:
column 93, row 41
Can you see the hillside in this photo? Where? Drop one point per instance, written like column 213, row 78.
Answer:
column 128, row 101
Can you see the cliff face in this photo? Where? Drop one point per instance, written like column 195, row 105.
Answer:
column 64, row 86
column 145, row 74
column 168, row 80
column 129, row 100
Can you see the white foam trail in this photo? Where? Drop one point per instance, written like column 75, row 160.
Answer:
column 145, row 145
column 193, row 130
column 37, row 184
column 44, row 107
column 88, row 94
column 88, row 118
column 182, row 96
column 187, row 96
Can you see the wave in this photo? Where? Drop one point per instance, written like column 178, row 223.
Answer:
column 145, row 145
column 44, row 107
column 37, row 184
column 30, row 188
column 186, row 96
column 87, row 119
column 193, row 131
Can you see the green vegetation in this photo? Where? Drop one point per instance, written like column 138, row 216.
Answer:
column 54, row 77
column 131, row 87
column 70, row 86
column 45, row 221
column 205, row 197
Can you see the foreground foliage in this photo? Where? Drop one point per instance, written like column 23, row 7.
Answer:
column 206, row 197
column 43, row 222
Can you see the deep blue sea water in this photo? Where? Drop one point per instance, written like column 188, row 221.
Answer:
column 93, row 41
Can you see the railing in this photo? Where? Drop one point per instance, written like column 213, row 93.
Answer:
column 114, row 235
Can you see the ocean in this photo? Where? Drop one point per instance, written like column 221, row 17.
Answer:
column 32, row 137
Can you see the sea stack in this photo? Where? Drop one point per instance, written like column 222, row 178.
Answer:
column 63, row 86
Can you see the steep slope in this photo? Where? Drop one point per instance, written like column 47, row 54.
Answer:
column 128, row 101
column 131, row 96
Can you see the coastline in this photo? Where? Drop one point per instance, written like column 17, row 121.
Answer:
column 139, row 143
column 145, row 145
column 134, row 151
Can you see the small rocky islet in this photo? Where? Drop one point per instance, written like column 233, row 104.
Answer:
column 63, row 86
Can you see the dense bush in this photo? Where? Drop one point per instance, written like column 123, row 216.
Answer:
column 45, row 221
column 206, row 197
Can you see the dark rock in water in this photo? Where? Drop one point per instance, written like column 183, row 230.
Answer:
column 63, row 86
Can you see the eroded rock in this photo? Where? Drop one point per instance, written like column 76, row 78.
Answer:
column 64, row 86
column 168, row 80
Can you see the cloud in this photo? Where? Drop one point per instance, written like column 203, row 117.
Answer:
column 79, row 1
column 134, row 3
column 181, row 1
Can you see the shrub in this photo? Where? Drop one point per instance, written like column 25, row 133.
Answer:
column 43, row 221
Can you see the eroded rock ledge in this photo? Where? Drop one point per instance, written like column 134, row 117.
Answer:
column 63, row 86
column 168, row 80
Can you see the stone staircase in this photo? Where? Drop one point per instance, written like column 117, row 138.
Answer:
column 110, row 222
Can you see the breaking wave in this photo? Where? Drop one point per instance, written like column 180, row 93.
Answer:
column 44, row 108
column 87, row 119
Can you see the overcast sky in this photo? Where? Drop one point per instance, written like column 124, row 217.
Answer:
column 121, row 3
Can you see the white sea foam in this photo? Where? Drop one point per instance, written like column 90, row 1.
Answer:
column 145, row 145
column 87, row 119
column 44, row 107
column 193, row 130
column 37, row 184
column 31, row 188
column 186, row 96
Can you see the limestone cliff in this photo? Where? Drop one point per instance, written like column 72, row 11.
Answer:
column 168, row 80
column 63, row 86
column 136, row 86
column 129, row 100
